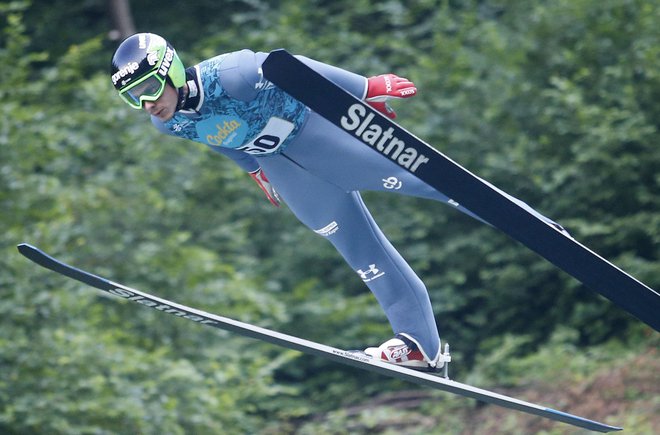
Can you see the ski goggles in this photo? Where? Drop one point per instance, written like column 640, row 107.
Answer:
column 148, row 88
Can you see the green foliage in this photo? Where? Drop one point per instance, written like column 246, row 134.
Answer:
column 555, row 102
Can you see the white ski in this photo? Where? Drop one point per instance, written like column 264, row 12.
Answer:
column 351, row 358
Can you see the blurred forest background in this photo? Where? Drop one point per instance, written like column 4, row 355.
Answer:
column 556, row 102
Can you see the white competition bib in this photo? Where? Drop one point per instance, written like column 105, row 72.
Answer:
column 270, row 138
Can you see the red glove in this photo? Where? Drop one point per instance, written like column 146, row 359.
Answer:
column 260, row 178
column 383, row 87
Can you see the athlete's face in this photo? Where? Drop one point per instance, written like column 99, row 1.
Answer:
column 165, row 106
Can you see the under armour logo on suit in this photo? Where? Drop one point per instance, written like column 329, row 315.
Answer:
column 370, row 274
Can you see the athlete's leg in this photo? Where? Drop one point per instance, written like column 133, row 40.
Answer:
column 335, row 155
column 344, row 220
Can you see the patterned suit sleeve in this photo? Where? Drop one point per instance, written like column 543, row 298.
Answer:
column 242, row 159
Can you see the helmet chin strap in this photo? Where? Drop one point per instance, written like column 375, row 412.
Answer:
column 182, row 94
column 188, row 93
column 183, row 97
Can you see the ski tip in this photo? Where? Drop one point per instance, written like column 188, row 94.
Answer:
column 25, row 247
column 275, row 56
column 279, row 52
column 31, row 252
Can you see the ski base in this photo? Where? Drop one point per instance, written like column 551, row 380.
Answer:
column 350, row 358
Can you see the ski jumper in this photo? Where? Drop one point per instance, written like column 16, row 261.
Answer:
column 318, row 170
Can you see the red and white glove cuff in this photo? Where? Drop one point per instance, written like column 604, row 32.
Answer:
column 260, row 178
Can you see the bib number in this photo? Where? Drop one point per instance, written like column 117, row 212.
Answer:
column 270, row 138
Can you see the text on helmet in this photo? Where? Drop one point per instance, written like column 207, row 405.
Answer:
column 127, row 69
column 167, row 62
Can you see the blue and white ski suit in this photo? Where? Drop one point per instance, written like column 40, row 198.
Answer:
column 317, row 168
